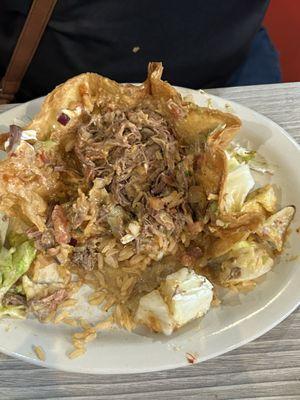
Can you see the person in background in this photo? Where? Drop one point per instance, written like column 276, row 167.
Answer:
column 201, row 43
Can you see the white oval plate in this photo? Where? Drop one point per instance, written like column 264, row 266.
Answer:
column 237, row 321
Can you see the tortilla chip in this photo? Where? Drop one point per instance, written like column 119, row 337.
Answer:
column 25, row 184
column 236, row 221
column 89, row 91
column 261, row 200
column 212, row 169
column 223, row 245
column 230, row 230
column 83, row 93
column 245, row 262
column 190, row 121
column 274, row 229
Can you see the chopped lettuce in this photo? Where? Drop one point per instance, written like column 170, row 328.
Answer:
column 45, row 145
column 255, row 161
column 15, row 239
column 243, row 155
column 13, row 311
column 259, row 164
column 243, row 244
column 232, row 162
column 237, row 185
column 13, row 264
column 15, row 233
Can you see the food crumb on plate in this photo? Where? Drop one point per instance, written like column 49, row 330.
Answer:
column 39, row 352
column 228, row 107
column 291, row 258
column 191, row 358
column 189, row 97
column 174, row 347
column 135, row 49
column 209, row 103
column 203, row 92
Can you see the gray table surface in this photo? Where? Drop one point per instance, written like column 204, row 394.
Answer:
column 268, row 368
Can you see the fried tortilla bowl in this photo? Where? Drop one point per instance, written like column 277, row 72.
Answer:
column 137, row 193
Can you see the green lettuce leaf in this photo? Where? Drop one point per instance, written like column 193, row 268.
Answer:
column 15, row 239
column 13, row 264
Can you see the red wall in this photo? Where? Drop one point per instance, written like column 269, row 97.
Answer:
column 283, row 24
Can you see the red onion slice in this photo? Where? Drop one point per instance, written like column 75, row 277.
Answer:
column 63, row 119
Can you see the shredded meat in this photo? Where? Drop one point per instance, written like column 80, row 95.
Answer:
column 14, row 299
column 46, row 240
column 84, row 257
column 60, row 225
column 143, row 174
column 42, row 307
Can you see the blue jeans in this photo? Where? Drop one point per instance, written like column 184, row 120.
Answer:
column 261, row 65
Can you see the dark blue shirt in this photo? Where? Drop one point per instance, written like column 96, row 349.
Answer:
column 200, row 42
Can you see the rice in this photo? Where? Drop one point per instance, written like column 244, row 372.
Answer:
column 79, row 339
column 49, row 318
column 104, row 325
column 127, row 238
column 84, row 324
column 78, row 344
column 100, row 277
column 111, row 243
column 60, row 317
column 110, row 301
column 127, row 284
column 122, row 317
column 96, row 298
column 126, row 253
column 75, row 286
column 68, row 303
column 76, row 353
column 90, row 337
column 70, row 321
column 79, row 335
column 138, row 258
column 112, row 252
column 111, row 261
column 39, row 353
column 100, row 261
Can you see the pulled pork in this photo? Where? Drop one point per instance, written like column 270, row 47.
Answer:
column 42, row 307
column 140, row 175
